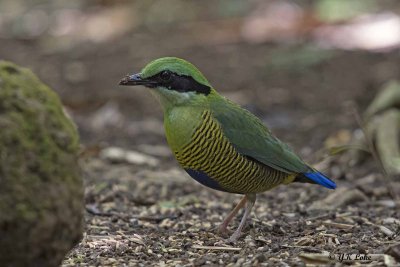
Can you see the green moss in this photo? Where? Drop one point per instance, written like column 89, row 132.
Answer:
column 40, row 182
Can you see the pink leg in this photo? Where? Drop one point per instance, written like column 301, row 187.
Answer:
column 251, row 199
column 228, row 219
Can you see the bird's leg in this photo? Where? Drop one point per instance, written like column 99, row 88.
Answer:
column 228, row 219
column 251, row 199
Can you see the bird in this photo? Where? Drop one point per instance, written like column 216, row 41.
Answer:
column 218, row 143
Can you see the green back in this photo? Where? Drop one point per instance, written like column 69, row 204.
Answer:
column 251, row 138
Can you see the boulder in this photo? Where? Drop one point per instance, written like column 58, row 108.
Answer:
column 41, row 191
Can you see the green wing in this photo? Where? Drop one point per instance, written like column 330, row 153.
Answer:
column 251, row 138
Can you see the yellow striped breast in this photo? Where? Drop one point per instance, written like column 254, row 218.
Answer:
column 209, row 151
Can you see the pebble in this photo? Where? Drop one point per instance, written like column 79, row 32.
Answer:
column 260, row 257
column 134, row 222
column 119, row 155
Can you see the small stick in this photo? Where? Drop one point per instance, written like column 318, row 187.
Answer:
column 322, row 216
column 339, row 225
column 216, row 248
column 386, row 230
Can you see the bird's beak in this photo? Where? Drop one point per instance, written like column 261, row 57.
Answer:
column 136, row 79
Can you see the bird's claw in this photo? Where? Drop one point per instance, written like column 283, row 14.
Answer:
column 234, row 237
column 223, row 230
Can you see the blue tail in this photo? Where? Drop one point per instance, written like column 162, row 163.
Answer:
column 320, row 179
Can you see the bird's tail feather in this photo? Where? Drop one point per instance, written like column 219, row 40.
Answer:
column 321, row 179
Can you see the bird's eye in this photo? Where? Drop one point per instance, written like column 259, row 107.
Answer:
column 165, row 75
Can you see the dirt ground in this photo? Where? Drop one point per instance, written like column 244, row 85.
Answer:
column 147, row 213
column 156, row 215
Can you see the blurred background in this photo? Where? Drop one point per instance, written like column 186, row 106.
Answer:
column 297, row 64
column 300, row 65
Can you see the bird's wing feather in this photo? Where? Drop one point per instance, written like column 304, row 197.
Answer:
column 253, row 139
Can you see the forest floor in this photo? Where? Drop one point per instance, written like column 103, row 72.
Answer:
column 141, row 216
column 154, row 214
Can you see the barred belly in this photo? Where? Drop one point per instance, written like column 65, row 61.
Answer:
column 213, row 161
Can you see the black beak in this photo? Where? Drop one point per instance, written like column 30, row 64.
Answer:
column 136, row 79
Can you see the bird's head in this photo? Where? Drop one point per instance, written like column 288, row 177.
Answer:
column 174, row 81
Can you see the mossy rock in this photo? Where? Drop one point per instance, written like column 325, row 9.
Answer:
column 41, row 191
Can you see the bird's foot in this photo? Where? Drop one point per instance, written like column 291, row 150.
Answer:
column 223, row 230
column 234, row 237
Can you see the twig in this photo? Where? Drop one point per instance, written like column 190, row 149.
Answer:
column 156, row 219
column 318, row 217
column 216, row 248
column 386, row 230
column 294, row 246
column 92, row 209
column 339, row 225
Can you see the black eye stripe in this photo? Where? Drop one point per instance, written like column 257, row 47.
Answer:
column 180, row 83
column 165, row 75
